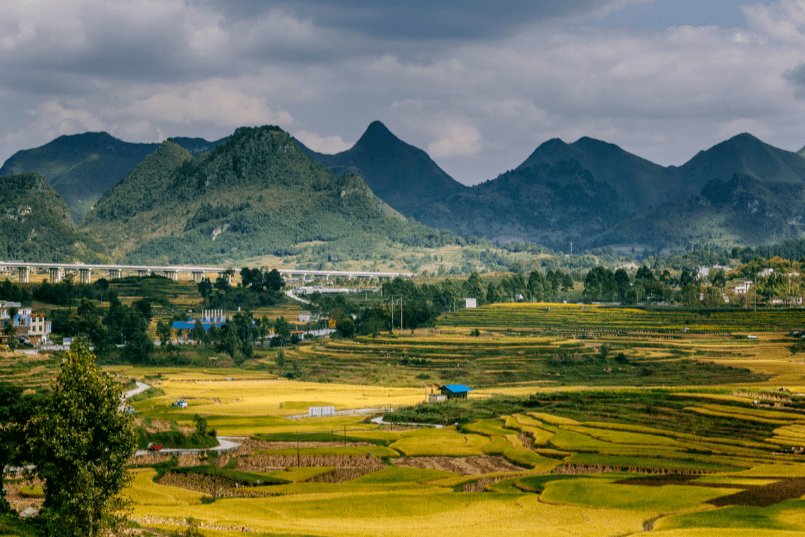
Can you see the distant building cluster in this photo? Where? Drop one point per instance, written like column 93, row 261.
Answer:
column 185, row 331
column 23, row 325
column 775, row 288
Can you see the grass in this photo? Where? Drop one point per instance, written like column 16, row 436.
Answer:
column 783, row 516
column 604, row 493
column 442, row 356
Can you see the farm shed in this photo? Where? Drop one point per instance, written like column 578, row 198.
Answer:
column 455, row 391
column 319, row 411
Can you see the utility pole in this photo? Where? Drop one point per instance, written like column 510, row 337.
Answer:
column 401, row 314
column 392, row 315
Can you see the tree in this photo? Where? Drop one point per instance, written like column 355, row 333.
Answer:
column 164, row 333
column 81, row 442
column 9, row 330
column 536, row 286
column 623, row 282
column 274, row 280
column 15, row 411
column 345, row 327
column 205, row 288
column 472, row 287
column 222, row 283
column 600, row 284
column 198, row 334
column 282, row 331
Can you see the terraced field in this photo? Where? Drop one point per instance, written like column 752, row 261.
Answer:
column 28, row 370
column 581, row 463
column 592, row 421
column 585, row 318
column 495, row 359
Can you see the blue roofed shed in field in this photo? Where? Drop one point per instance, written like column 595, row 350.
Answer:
column 455, row 391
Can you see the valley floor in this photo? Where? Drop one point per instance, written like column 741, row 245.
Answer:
column 583, row 422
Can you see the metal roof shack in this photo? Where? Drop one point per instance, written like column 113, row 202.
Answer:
column 455, row 391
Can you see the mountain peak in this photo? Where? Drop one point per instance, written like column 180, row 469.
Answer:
column 549, row 148
column 377, row 132
column 399, row 173
column 744, row 154
column 586, row 143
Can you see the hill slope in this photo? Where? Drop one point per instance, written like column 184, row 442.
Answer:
column 81, row 167
column 35, row 222
column 143, row 189
column 742, row 210
column 257, row 194
column 402, row 175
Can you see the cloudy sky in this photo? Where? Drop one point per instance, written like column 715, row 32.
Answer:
column 478, row 84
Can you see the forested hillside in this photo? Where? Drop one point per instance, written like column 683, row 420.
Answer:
column 251, row 195
column 35, row 222
column 81, row 167
column 256, row 194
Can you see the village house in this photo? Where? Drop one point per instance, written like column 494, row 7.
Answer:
column 33, row 328
column 743, row 287
column 455, row 391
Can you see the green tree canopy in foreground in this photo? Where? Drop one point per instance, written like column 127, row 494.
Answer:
column 81, row 441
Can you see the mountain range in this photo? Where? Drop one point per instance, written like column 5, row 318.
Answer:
column 261, row 192
column 257, row 194
column 81, row 167
column 595, row 194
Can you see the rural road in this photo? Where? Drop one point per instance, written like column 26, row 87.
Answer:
column 141, row 387
column 380, row 421
column 289, row 293
column 225, row 443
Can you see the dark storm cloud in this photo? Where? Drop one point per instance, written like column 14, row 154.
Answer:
column 422, row 19
column 476, row 83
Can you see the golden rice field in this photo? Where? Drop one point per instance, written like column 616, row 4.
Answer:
column 562, row 475
column 696, row 430
column 704, row 462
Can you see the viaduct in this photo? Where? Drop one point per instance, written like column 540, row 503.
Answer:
column 57, row 271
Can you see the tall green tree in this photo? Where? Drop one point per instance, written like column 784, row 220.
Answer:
column 164, row 333
column 15, row 411
column 81, row 441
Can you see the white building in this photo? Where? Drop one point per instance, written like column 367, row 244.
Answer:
column 743, row 288
column 39, row 329
column 33, row 327
column 5, row 307
column 766, row 272
column 470, row 303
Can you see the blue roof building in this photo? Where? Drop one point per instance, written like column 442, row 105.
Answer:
column 191, row 324
column 209, row 318
column 455, row 391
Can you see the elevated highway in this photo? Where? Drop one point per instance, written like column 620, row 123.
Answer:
column 85, row 271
